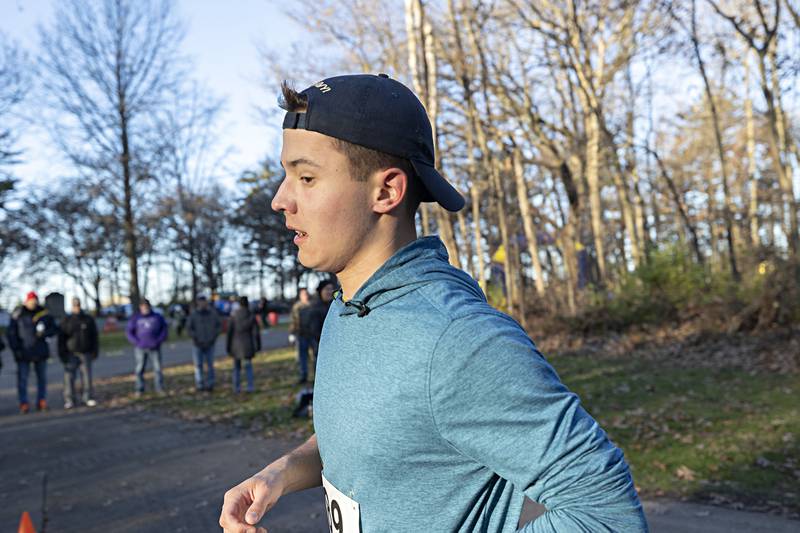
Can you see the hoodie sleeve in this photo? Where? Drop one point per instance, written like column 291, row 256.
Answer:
column 130, row 330
column 495, row 399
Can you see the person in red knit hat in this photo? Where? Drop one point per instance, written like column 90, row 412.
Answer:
column 27, row 333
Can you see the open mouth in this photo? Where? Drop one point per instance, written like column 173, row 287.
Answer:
column 300, row 236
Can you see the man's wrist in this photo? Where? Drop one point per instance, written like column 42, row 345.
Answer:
column 274, row 476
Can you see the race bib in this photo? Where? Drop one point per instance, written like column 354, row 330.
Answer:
column 344, row 515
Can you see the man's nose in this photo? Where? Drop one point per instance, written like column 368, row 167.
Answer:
column 282, row 201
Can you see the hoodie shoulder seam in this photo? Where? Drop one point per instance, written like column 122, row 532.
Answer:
column 458, row 315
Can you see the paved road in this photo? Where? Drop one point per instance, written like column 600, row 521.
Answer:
column 117, row 363
column 127, row 470
column 130, row 471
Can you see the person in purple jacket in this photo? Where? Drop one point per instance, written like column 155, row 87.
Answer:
column 146, row 331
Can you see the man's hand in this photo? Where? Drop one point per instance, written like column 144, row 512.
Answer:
column 246, row 503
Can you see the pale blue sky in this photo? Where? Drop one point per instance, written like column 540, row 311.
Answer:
column 222, row 40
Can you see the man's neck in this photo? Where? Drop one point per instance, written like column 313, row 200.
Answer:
column 367, row 262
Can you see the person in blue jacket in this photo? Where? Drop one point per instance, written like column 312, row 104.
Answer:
column 432, row 411
column 147, row 330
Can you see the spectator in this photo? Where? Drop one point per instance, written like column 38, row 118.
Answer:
column 147, row 330
column 180, row 313
column 30, row 326
column 301, row 335
column 233, row 304
column 204, row 325
column 263, row 312
column 244, row 340
column 319, row 311
column 78, row 348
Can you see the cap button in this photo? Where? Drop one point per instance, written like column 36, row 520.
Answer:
column 382, row 75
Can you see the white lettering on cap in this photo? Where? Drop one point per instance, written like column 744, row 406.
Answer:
column 322, row 86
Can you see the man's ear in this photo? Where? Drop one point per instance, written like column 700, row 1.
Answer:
column 391, row 187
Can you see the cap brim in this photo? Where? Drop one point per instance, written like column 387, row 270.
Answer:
column 437, row 188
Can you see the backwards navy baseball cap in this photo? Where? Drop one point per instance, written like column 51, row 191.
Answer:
column 382, row 114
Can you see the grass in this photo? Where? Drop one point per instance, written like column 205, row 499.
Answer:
column 267, row 411
column 720, row 436
column 111, row 341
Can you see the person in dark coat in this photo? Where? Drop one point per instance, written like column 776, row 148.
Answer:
column 263, row 312
column 78, row 347
column 298, row 332
column 244, row 340
column 319, row 310
column 27, row 333
column 204, row 327
column 314, row 316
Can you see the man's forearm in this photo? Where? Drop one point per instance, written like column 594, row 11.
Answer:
column 299, row 469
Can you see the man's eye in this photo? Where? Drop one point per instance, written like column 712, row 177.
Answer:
column 306, row 179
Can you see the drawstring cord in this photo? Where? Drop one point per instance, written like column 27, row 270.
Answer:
column 363, row 310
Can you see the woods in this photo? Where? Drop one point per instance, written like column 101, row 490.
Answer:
column 587, row 137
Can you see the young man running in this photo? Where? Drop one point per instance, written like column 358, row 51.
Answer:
column 433, row 411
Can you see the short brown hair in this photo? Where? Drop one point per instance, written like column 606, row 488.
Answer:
column 363, row 161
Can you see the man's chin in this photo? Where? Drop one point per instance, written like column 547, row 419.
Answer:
column 306, row 260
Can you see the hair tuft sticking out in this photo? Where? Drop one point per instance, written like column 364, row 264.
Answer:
column 291, row 100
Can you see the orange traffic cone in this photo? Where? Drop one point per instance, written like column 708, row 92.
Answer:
column 26, row 524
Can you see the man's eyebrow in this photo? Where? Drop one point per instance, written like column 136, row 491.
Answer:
column 301, row 161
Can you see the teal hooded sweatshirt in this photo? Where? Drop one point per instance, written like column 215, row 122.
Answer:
column 436, row 413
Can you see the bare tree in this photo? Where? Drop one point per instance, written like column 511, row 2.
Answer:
column 759, row 29
column 13, row 85
column 548, row 116
column 189, row 161
column 691, row 29
column 107, row 68
column 12, row 90
column 68, row 229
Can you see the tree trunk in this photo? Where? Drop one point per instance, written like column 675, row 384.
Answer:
column 715, row 121
column 443, row 220
column 127, row 185
column 776, row 152
column 711, row 211
column 681, row 209
column 527, row 221
column 413, row 17
column 472, row 126
column 464, row 232
column 752, row 210
column 476, row 232
column 593, row 181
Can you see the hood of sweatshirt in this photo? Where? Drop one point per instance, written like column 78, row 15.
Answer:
column 417, row 264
